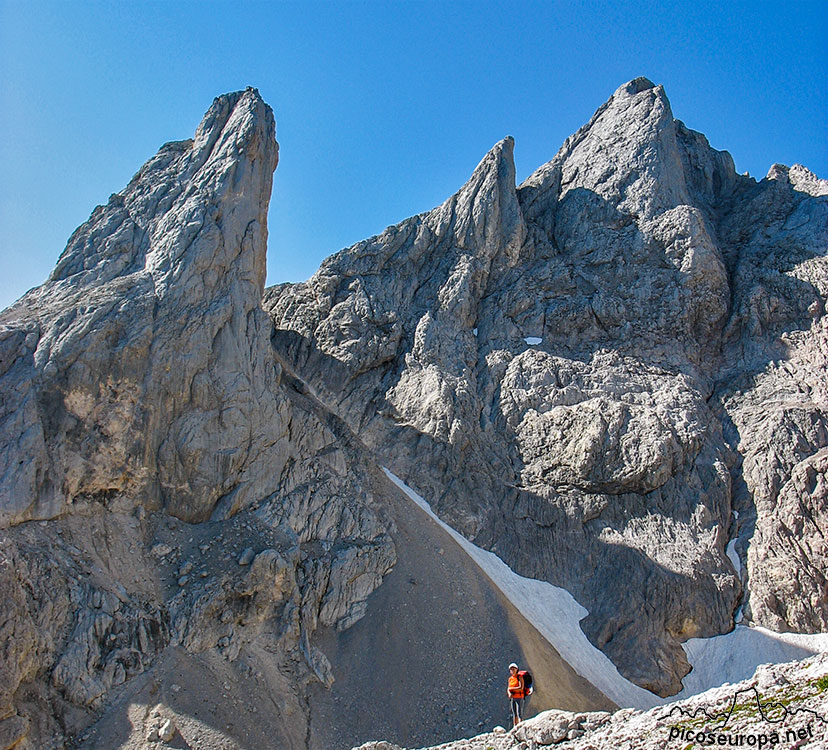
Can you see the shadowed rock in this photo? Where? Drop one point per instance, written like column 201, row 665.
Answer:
column 569, row 376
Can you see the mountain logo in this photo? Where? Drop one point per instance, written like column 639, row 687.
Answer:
column 776, row 713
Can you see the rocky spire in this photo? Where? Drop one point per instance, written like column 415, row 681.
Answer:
column 139, row 383
column 627, row 153
column 142, row 366
column 450, row 250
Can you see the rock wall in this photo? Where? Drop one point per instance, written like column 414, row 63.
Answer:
column 611, row 375
column 172, row 507
column 589, row 373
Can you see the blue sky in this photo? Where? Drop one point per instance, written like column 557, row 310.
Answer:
column 382, row 109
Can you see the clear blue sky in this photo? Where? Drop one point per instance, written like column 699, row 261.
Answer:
column 382, row 109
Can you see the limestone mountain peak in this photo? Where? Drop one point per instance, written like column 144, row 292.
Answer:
column 570, row 400
column 152, row 296
column 611, row 376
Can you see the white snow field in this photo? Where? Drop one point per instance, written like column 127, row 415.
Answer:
column 734, row 656
column 555, row 614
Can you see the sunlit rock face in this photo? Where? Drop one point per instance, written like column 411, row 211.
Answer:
column 174, row 513
column 142, row 367
column 608, row 375
column 612, row 375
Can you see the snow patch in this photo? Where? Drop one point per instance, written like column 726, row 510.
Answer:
column 532, row 340
column 474, row 331
column 555, row 613
column 734, row 557
column 734, row 657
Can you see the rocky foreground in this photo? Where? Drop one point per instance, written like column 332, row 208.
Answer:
column 783, row 706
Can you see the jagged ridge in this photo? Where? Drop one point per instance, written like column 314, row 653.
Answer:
column 608, row 459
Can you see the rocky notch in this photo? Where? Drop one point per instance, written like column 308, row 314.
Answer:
column 611, row 375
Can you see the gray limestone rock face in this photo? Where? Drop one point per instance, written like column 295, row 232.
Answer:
column 774, row 398
column 149, row 443
column 184, row 524
column 612, row 375
column 142, row 367
column 577, row 374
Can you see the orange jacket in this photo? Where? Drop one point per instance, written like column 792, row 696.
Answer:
column 516, row 689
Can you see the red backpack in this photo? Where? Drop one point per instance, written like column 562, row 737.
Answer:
column 528, row 683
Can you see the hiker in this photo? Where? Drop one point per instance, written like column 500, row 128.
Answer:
column 516, row 690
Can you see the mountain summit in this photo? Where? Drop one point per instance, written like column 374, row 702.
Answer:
column 610, row 377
